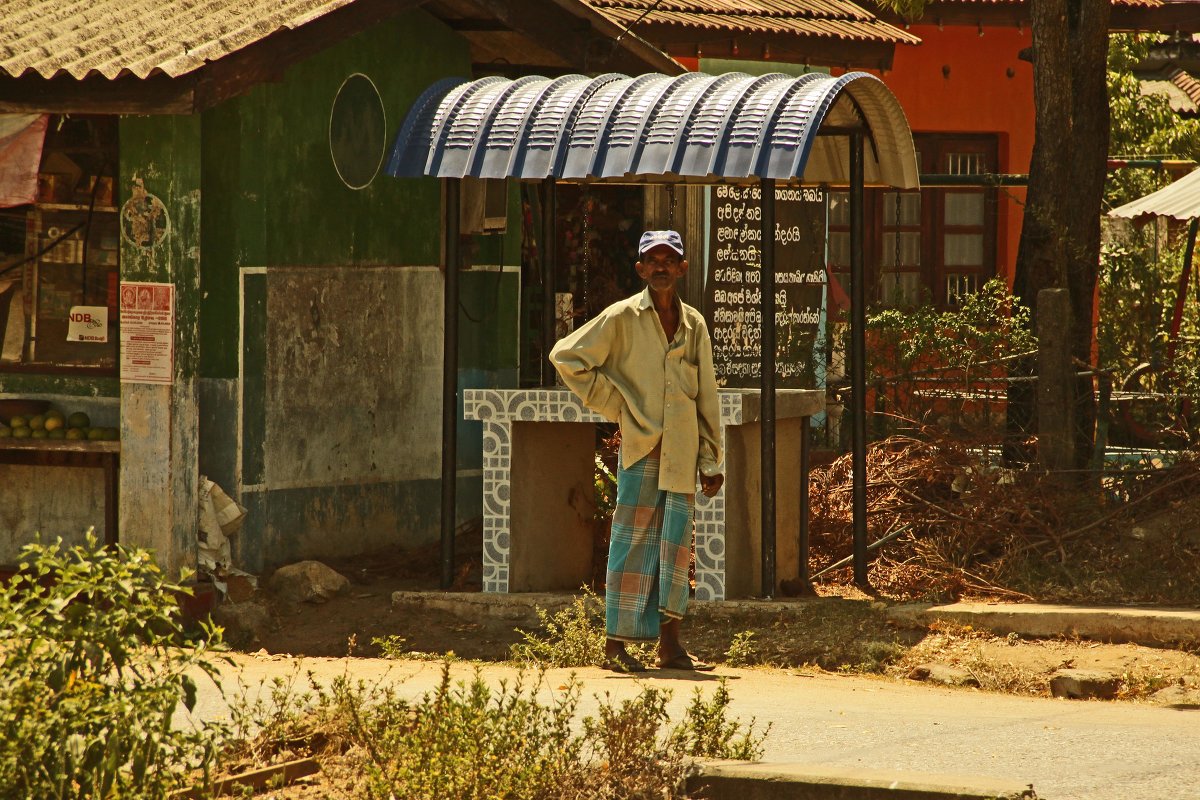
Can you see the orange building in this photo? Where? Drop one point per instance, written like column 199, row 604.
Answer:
column 965, row 80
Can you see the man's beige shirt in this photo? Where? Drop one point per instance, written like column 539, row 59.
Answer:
column 621, row 366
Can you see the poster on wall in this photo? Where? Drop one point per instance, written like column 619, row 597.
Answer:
column 147, row 332
column 733, row 293
column 87, row 324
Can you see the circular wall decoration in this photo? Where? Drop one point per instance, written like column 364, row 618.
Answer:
column 145, row 223
column 357, row 131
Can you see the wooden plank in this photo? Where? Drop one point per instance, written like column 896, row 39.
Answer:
column 276, row 775
column 128, row 95
column 59, row 446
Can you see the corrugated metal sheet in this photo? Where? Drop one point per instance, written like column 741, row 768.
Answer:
column 142, row 37
column 825, row 18
column 1130, row 3
column 693, row 127
column 1180, row 200
column 1187, row 84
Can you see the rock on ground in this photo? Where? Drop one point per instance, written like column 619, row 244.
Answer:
column 1081, row 684
column 244, row 623
column 307, row 582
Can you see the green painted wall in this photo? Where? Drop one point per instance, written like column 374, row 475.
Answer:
column 162, row 156
column 330, row 296
column 272, row 194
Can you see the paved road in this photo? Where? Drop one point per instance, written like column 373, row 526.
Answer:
column 1068, row 750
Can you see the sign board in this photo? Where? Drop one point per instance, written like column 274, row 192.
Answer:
column 147, row 332
column 733, row 293
column 87, row 324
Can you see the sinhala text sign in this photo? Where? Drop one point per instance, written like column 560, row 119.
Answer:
column 733, row 290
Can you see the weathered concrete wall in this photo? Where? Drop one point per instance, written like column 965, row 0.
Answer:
column 320, row 391
column 743, row 507
column 159, row 423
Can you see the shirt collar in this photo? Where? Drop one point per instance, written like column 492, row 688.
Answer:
column 646, row 301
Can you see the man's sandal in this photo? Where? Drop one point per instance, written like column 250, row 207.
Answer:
column 622, row 662
column 683, row 661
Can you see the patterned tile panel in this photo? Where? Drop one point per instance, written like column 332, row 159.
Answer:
column 499, row 408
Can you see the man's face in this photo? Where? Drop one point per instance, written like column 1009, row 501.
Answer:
column 661, row 267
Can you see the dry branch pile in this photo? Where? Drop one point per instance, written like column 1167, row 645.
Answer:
column 966, row 525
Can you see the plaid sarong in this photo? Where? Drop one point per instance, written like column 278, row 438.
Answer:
column 648, row 555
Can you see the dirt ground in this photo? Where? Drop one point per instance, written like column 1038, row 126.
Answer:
column 843, row 631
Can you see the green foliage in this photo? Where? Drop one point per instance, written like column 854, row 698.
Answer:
column 1141, row 124
column 909, row 9
column 990, row 324
column 469, row 741
column 572, row 637
column 741, row 650
column 93, row 663
column 390, row 646
column 462, row 741
column 707, row 731
column 605, row 484
column 1139, row 271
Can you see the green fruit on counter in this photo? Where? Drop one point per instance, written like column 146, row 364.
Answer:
column 57, row 433
column 37, row 422
column 21, row 432
column 53, row 423
column 79, row 420
column 38, row 433
column 18, row 422
column 95, row 434
column 55, row 413
column 5, row 431
column 75, row 434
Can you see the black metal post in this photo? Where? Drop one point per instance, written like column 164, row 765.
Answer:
column 549, row 211
column 450, row 381
column 804, row 432
column 767, row 385
column 858, row 361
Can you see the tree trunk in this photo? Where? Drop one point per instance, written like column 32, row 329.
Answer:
column 1088, row 31
column 1060, row 236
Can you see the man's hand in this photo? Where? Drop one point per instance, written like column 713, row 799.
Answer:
column 711, row 484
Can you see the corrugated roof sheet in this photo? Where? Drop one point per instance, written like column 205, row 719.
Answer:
column 142, row 37
column 835, row 19
column 1187, row 84
column 1180, row 200
column 654, row 127
column 1178, row 99
column 1131, row 3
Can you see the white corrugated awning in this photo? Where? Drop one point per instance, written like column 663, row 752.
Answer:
column 673, row 129
column 1179, row 200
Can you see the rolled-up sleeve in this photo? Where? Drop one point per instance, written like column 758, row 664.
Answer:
column 579, row 357
column 708, row 407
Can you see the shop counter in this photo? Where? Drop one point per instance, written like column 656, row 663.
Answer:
column 538, row 491
column 74, row 453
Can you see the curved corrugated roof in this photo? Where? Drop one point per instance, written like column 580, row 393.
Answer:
column 693, row 127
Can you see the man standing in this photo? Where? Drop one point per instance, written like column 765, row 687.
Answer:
column 646, row 363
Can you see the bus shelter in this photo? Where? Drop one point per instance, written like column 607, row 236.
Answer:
column 766, row 131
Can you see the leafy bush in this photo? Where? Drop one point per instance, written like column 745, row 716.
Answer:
column 93, row 664
column 707, row 732
column 469, row 741
column 572, row 637
column 741, row 650
column 990, row 324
